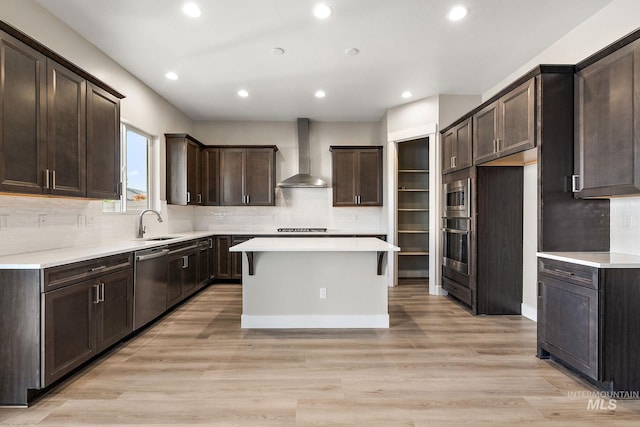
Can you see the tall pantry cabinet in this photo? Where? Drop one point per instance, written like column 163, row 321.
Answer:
column 412, row 210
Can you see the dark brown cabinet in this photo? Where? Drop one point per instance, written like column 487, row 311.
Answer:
column 65, row 172
column 607, row 124
column 60, row 131
column 247, row 176
column 357, row 175
column 505, row 126
column 183, row 271
column 83, row 317
column 205, row 261
column 23, row 117
column 184, row 170
column 211, row 176
column 588, row 319
column 456, row 147
column 228, row 264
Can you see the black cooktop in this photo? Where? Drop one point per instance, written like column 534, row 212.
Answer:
column 302, row 230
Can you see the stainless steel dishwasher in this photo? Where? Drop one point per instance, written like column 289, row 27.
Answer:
column 150, row 285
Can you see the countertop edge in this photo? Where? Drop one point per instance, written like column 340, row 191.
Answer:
column 595, row 259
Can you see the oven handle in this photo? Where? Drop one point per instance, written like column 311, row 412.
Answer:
column 454, row 231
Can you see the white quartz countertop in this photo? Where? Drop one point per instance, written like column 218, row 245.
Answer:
column 595, row 259
column 275, row 232
column 314, row 244
column 62, row 256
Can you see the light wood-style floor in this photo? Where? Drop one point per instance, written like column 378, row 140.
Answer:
column 435, row 365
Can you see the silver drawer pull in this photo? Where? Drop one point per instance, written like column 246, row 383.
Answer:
column 102, row 267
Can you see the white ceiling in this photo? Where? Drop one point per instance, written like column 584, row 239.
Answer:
column 404, row 45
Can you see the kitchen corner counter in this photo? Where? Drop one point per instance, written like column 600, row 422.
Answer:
column 595, row 259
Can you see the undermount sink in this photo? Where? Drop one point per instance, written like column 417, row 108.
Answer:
column 161, row 238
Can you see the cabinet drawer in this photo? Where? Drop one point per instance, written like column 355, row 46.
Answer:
column 64, row 275
column 577, row 274
column 457, row 290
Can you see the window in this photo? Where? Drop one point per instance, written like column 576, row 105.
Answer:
column 136, row 167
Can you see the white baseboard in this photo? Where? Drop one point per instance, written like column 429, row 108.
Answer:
column 314, row 321
column 529, row 312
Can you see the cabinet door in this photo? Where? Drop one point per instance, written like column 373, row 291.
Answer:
column 344, row 177
column 66, row 131
column 260, row 177
column 369, row 177
column 236, row 258
column 517, row 119
column 568, row 317
column 607, row 126
column 190, row 272
column 194, row 174
column 69, row 328
column 485, row 133
column 174, row 284
column 114, row 314
column 103, row 144
column 232, row 176
column 210, row 176
column 448, row 150
column 22, row 117
column 223, row 259
column 463, row 145
column 203, row 263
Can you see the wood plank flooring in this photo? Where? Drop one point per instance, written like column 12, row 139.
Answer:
column 435, row 365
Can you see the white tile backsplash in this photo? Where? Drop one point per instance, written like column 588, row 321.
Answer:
column 625, row 225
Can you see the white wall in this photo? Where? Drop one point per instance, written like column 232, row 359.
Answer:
column 295, row 207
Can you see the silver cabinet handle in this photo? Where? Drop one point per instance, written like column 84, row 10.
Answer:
column 102, row 267
column 498, row 144
column 210, row 243
column 575, row 184
column 199, row 199
column 495, row 145
column 454, row 161
column 96, row 288
column 152, row 255
column 188, row 197
column 47, row 183
column 185, row 261
column 53, row 179
column 248, row 199
column 101, row 291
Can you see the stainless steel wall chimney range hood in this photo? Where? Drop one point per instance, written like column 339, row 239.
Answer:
column 303, row 179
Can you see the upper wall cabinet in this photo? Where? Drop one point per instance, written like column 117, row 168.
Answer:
column 607, row 124
column 357, row 175
column 211, row 176
column 183, row 170
column 103, row 144
column 59, row 133
column 505, row 126
column 456, row 147
column 247, row 176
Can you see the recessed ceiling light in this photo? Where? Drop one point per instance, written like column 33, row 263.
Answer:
column 322, row 11
column 171, row 75
column 243, row 93
column 277, row 51
column 352, row 51
column 457, row 13
column 192, row 10
column 406, row 94
column 320, row 94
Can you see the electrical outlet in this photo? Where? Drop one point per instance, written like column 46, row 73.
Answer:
column 82, row 221
column 323, row 293
column 42, row 220
column 4, row 221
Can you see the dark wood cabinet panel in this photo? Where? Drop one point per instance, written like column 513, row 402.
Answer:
column 507, row 125
column 183, row 272
column 357, row 176
column 247, row 176
column 114, row 314
column 184, row 170
column 66, row 131
column 211, row 176
column 22, row 117
column 205, row 261
column 69, row 332
column 456, row 147
column 608, row 126
column 103, row 144
column 223, row 260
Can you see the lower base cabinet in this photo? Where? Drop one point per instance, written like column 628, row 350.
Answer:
column 228, row 264
column 588, row 319
column 183, row 271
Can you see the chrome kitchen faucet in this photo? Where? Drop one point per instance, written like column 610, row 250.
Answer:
column 141, row 228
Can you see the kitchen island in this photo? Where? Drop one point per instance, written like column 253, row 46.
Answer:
column 314, row 282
